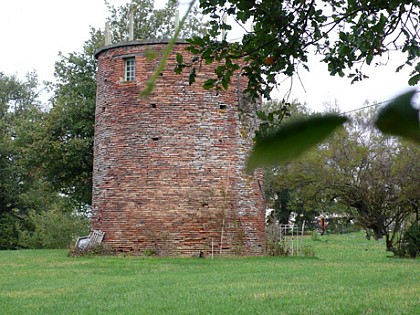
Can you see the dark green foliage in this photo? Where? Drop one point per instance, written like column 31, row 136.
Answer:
column 66, row 144
column 8, row 231
column 20, row 116
column 32, row 213
column 281, row 206
column 400, row 118
column 410, row 243
column 291, row 140
column 272, row 117
column 54, row 228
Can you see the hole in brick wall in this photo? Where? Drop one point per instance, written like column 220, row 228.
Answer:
column 155, row 138
column 220, row 140
column 153, row 105
column 222, row 106
column 161, row 74
column 103, row 108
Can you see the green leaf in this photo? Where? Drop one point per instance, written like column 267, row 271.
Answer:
column 291, row 140
column 191, row 77
column 369, row 59
column 400, row 118
column 208, row 84
column 179, row 68
column 198, row 40
column 414, row 80
column 179, row 58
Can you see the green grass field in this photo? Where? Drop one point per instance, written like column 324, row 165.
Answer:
column 348, row 275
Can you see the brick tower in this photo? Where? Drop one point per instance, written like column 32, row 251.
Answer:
column 168, row 169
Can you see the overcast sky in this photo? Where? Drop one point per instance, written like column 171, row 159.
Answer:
column 34, row 31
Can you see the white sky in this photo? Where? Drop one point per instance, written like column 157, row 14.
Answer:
column 33, row 32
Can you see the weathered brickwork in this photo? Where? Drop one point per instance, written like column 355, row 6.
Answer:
column 168, row 169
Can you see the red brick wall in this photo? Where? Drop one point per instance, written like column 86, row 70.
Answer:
column 168, row 169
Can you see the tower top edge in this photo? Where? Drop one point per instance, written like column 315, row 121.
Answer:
column 143, row 42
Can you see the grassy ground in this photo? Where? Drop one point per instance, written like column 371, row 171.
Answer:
column 348, row 275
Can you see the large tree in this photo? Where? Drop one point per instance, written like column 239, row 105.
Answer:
column 363, row 170
column 347, row 34
column 20, row 116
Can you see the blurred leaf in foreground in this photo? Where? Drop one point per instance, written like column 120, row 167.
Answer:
column 291, row 140
column 400, row 118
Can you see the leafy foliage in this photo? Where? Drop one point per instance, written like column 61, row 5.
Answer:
column 20, row 114
column 400, row 118
column 53, row 228
column 291, row 140
column 65, row 146
column 349, row 34
column 411, row 241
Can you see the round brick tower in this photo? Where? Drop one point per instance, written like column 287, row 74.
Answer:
column 168, row 172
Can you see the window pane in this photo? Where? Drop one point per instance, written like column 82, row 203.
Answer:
column 129, row 69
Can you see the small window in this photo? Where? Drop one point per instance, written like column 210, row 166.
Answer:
column 129, row 69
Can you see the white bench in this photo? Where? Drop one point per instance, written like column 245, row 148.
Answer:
column 95, row 237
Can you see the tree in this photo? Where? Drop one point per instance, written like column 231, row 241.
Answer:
column 360, row 169
column 348, row 34
column 149, row 23
column 20, row 114
column 66, row 144
column 370, row 172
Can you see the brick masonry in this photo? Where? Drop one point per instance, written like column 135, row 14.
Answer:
column 168, row 169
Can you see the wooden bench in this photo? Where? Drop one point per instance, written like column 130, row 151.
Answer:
column 95, row 237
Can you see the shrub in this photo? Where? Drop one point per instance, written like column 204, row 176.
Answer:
column 308, row 251
column 8, row 231
column 410, row 245
column 53, row 229
column 277, row 248
column 95, row 250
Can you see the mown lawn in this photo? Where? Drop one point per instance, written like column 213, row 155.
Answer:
column 348, row 275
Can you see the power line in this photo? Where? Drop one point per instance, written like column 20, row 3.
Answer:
column 378, row 104
column 368, row 106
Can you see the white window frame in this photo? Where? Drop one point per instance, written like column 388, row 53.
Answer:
column 130, row 69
